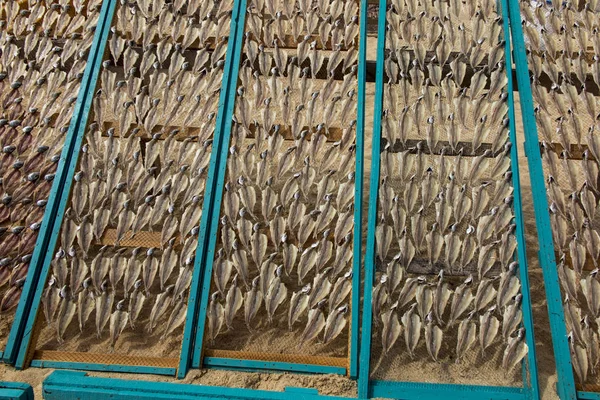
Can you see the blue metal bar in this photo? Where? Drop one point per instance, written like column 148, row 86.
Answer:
column 223, row 116
column 210, row 221
column 254, row 365
column 358, row 189
column 70, row 385
column 15, row 391
column 566, row 381
column 531, row 382
column 20, row 334
column 136, row 369
column 588, row 395
column 365, row 341
column 417, row 390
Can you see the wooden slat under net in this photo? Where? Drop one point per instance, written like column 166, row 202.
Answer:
column 276, row 357
column 143, row 239
column 106, row 359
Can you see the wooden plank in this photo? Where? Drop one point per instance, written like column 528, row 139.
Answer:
column 575, row 151
column 276, row 357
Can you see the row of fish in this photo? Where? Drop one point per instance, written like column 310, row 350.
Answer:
column 445, row 196
column 140, row 170
column 44, row 53
column 288, row 210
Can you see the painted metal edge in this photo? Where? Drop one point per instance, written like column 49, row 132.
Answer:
column 588, row 396
column 566, row 381
column 210, row 221
column 358, row 191
column 415, row 390
column 187, row 344
column 365, row 341
column 67, row 385
column 137, row 369
column 15, row 391
column 256, row 365
column 530, row 372
column 20, row 333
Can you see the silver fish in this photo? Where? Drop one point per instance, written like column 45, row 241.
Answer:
column 316, row 323
column 136, row 303
column 252, row 302
column 433, row 337
column 467, row 334
column 160, row 306
column 132, row 271
column 66, row 312
column 412, row 329
column 104, row 303
column 233, row 302
column 321, row 288
column 335, row 323
column 441, row 296
column 176, row 318
column 391, row 329
column 118, row 322
column 517, row 349
column 462, row 299
column 509, row 286
column 216, row 316
column 488, row 328
column 276, row 294
column 51, row 299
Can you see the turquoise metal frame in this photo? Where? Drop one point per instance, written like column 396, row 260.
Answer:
column 15, row 391
column 222, row 128
column 198, row 360
column 254, row 365
column 406, row 390
column 566, row 380
column 70, row 385
column 27, row 308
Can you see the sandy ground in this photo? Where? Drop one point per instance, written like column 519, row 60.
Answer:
column 335, row 385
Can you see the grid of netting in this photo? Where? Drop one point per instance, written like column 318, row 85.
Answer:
column 44, row 48
column 447, row 293
column 563, row 47
column 282, row 277
column 120, row 278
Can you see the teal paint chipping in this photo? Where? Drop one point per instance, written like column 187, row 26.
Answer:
column 68, row 385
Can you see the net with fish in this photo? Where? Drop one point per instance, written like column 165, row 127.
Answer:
column 44, row 53
column 282, row 273
column 446, row 295
column 562, row 45
column 119, row 283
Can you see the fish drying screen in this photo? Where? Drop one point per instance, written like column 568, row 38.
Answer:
column 282, row 273
column 44, row 52
column 563, row 46
column 121, row 274
column 447, row 289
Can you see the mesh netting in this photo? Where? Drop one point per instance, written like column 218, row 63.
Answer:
column 288, row 205
column 561, row 46
column 446, row 301
column 38, row 87
column 119, row 283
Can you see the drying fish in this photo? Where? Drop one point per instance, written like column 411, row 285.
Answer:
column 136, row 302
column 314, row 326
column 391, row 329
column 488, row 328
column 104, row 303
column 467, row 334
column 86, row 303
column 66, row 312
column 516, row 350
column 412, row 329
column 335, row 323
column 118, row 322
column 176, row 318
column 233, row 302
column 216, row 316
column 299, row 304
column 252, row 301
column 462, row 299
column 160, row 307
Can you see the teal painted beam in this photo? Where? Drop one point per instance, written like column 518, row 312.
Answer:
column 132, row 369
column 15, row 391
column 210, row 220
column 70, row 385
column 365, row 342
column 562, row 354
column 588, row 396
column 223, row 117
column 432, row 391
column 530, row 372
column 20, row 334
column 358, row 189
column 254, row 365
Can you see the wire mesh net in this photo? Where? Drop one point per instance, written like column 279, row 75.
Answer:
column 44, row 53
column 447, row 297
column 282, row 273
column 120, row 278
column 563, row 45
